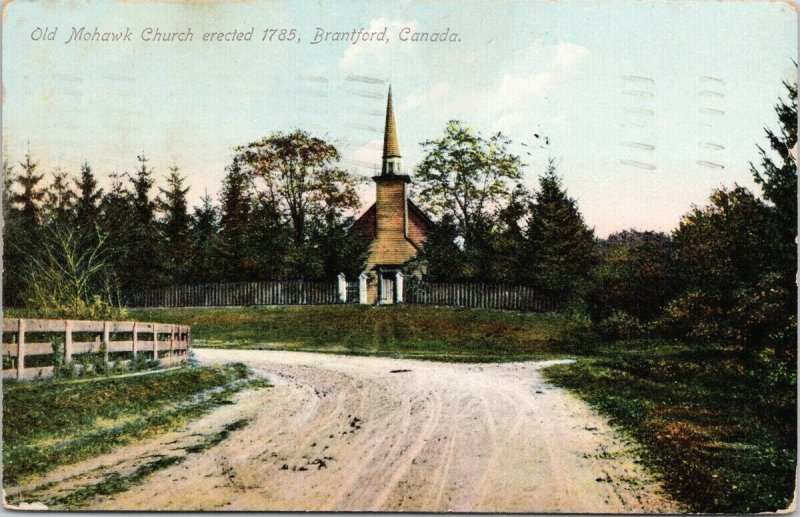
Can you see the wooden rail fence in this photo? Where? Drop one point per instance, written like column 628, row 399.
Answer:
column 168, row 344
column 480, row 296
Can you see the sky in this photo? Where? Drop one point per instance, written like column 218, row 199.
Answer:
column 646, row 106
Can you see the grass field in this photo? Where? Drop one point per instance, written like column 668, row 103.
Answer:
column 719, row 425
column 51, row 422
column 408, row 331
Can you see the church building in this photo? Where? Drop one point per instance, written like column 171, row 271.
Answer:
column 394, row 226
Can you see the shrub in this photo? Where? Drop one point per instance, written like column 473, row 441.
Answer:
column 635, row 275
column 621, row 325
column 763, row 315
column 85, row 362
column 139, row 363
column 118, row 368
column 66, row 371
column 58, row 351
column 693, row 315
column 68, row 278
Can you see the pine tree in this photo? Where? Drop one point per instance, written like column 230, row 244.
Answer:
column 8, row 184
column 59, row 199
column 236, row 200
column 441, row 257
column 206, row 256
column 13, row 242
column 508, row 243
column 272, row 240
column 23, row 228
column 560, row 247
column 32, row 195
column 778, row 176
column 87, row 203
column 176, row 226
column 147, row 256
column 116, row 220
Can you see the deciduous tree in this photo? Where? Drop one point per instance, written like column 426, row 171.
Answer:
column 301, row 175
column 466, row 176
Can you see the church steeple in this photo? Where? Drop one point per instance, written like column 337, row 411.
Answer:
column 392, row 161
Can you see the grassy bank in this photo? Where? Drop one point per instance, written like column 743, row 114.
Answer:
column 51, row 423
column 719, row 425
column 408, row 331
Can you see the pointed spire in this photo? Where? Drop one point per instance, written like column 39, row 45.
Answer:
column 391, row 149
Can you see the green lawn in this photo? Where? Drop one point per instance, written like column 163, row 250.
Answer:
column 718, row 424
column 47, row 423
column 409, row 331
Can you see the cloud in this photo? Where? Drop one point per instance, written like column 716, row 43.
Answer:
column 532, row 75
column 568, row 54
column 376, row 55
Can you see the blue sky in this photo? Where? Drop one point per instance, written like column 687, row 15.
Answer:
column 647, row 106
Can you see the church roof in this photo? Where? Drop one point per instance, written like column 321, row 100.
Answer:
column 366, row 225
column 391, row 148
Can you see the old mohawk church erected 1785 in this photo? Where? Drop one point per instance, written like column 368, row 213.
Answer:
column 394, row 226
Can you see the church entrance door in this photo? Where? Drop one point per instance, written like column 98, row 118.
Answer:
column 387, row 287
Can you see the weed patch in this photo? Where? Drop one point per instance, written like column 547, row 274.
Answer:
column 51, row 423
column 717, row 423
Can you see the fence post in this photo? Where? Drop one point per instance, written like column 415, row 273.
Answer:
column 342, row 287
column 135, row 338
column 155, row 342
column 106, row 341
column 171, row 343
column 21, row 349
column 67, row 341
column 362, row 288
column 399, row 286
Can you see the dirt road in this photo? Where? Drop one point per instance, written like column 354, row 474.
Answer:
column 359, row 433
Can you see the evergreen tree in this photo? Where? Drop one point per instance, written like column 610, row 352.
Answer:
column 176, row 224
column 272, row 241
column 8, row 185
column 441, row 258
column 560, row 248
column 235, row 224
column 777, row 176
column 335, row 250
column 23, row 228
column 30, row 199
column 59, row 199
column 13, row 242
column 206, row 244
column 147, row 255
column 87, row 203
column 116, row 220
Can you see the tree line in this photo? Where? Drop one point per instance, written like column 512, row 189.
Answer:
column 285, row 207
column 725, row 274
column 283, row 211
